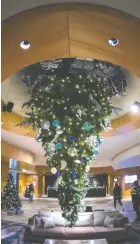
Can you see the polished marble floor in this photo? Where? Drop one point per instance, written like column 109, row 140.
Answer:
column 52, row 204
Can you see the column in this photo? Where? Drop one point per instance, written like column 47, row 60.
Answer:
column 41, row 184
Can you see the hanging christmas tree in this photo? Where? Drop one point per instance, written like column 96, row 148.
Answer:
column 10, row 198
column 70, row 106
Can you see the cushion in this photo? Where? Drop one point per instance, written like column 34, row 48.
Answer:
column 80, row 232
column 110, row 233
column 121, row 221
column 109, row 222
column 57, row 217
column 57, row 232
column 38, row 222
column 100, row 216
column 48, row 222
column 84, row 219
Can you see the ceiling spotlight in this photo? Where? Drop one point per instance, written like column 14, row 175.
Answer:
column 135, row 108
column 113, row 42
column 25, row 45
column 116, row 179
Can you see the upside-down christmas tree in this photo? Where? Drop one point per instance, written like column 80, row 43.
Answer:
column 10, row 198
column 70, row 106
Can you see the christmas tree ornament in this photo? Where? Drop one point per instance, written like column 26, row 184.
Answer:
column 76, row 182
column 51, row 147
column 45, row 125
column 77, row 161
column 84, row 158
column 72, row 151
column 58, row 174
column 72, row 188
column 71, row 138
column 74, row 174
column 53, row 170
column 87, row 126
column 96, row 150
column 99, row 141
column 59, row 131
column 56, row 123
column 59, row 146
column 63, row 164
column 91, row 140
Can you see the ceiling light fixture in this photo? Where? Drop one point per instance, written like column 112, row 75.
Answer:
column 116, row 179
column 113, row 42
column 135, row 108
column 1, row 123
column 25, row 45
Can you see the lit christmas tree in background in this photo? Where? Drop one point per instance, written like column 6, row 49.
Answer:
column 70, row 106
column 10, row 198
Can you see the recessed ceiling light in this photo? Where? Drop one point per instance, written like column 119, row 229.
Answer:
column 25, row 45
column 1, row 123
column 113, row 42
column 134, row 108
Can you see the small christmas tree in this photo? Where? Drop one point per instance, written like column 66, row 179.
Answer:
column 10, row 197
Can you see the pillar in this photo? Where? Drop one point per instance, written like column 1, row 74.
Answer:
column 41, row 185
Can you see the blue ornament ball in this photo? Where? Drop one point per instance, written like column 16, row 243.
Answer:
column 74, row 174
column 84, row 159
column 99, row 141
column 59, row 146
column 56, row 123
column 57, row 174
column 72, row 188
column 71, row 138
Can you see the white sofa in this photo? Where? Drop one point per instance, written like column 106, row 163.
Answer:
column 90, row 225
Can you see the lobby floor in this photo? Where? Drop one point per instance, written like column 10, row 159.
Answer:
column 52, row 204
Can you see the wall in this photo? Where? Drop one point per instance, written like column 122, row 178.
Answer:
column 126, row 192
column 41, row 185
column 22, row 183
column 14, row 152
column 5, row 171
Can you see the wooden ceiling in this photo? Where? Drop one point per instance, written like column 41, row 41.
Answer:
column 69, row 30
column 10, row 121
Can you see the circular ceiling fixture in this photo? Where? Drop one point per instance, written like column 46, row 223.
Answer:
column 116, row 179
column 25, row 45
column 113, row 42
column 135, row 108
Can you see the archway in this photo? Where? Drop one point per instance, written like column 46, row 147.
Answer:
column 70, row 30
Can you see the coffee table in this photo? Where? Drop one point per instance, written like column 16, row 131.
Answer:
column 12, row 234
column 97, row 241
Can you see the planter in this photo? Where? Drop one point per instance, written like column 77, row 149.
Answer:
column 19, row 211
column 11, row 212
